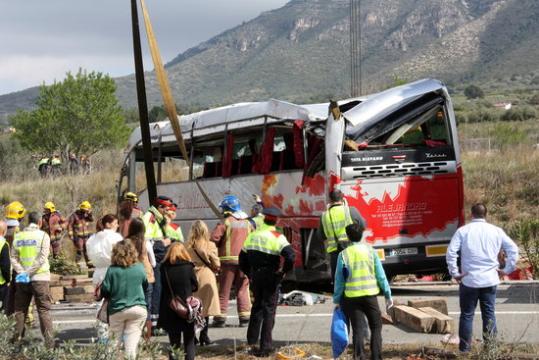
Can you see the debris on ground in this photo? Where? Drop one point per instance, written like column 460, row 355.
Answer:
column 425, row 316
column 301, row 298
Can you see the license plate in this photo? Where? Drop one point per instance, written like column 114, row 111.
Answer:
column 403, row 251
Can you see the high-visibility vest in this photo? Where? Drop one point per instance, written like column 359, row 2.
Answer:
column 259, row 221
column 335, row 220
column 28, row 245
column 2, row 243
column 267, row 240
column 359, row 260
column 153, row 229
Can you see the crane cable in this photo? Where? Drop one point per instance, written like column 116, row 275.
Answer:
column 168, row 100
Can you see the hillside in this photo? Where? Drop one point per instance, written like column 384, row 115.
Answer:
column 301, row 51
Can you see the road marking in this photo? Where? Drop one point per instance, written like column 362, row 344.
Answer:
column 315, row 315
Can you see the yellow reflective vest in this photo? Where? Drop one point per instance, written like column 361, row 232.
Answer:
column 151, row 221
column 268, row 240
column 28, row 246
column 335, row 220
column 361, row 281
column 2, row 244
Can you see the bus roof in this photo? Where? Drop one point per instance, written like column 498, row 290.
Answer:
column 369, row 110
column 235, row 116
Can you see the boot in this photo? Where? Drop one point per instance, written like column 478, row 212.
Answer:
column 148, row 332
column 204, row 338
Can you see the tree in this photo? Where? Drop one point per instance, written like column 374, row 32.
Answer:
column 81, row 114
column 473, row 92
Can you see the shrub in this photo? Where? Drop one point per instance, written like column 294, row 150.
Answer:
column 473, row 92
column 534, row 100
column 482, row 115
column 508, row 135
column 519, row 114
column 527, row 234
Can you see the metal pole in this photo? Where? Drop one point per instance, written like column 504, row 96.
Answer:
column 143, row 107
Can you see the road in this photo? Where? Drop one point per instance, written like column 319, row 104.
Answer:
column 517, row 314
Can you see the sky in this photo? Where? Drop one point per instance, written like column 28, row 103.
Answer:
column 41, row 40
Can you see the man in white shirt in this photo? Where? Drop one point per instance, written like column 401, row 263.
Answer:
column 478, row 245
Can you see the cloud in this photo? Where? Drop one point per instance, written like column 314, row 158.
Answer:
column 41, row 40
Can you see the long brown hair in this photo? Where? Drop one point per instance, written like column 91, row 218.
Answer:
column 124, row 254
column 199, row 235
column 135, row 233
column 175, row 253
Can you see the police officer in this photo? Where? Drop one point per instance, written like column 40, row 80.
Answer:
column 359, row 278
column 260, row 260
column 333, row 223
column 29, row 258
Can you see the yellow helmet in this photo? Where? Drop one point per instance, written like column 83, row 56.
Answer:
column 131, row 196
column 85, row 205
column 15, row 210
column 49, row 205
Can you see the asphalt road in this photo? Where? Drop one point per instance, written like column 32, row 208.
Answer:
column 517, row 309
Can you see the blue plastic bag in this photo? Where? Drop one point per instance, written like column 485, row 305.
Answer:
column 22, row 278
column 339, row 333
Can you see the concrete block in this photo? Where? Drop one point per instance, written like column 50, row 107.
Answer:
column 81, row 298
column 413, row 318
column 443, row 324
column 57, row 293
column 437, row 304
column 79, row 290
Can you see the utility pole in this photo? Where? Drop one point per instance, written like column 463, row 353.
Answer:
column 143, row 107
column 355, row 48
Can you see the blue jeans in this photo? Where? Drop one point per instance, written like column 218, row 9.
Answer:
column 468, row 302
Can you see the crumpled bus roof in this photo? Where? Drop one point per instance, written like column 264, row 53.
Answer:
column 235, row 116
column 370, row 110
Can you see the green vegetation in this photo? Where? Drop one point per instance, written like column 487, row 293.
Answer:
column 473, row 92
column 80, row 114
column 527, row 233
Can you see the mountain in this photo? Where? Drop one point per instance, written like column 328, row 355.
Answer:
column 300, row 52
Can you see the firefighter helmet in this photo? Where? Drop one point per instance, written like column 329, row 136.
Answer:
column 131, row 196
column 230, row 203
column 85, row 205
column 49, row 205
column 15, row 210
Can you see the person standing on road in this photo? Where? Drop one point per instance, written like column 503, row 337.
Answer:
column 124, row 286
column 179, row 279
column 229, row 237
column 478, row 244
column 5, row 265
column 145, row 255
column 155, row 224
column 260, row 259
column 204, row 255
column 333, row 223
column 359, row 278
column 128, row 210
column 78, row 228
column 53, row 224
column 99, row 248
column 14, row 212
column 30, row 260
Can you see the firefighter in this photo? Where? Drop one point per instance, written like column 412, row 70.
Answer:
column 128, row 210
column 229, row 237
column 53, row 224
column 260, row 259
column 14, row 212
column 156, row 224
column 79, row 229
column 333, row 223
column 5, row 265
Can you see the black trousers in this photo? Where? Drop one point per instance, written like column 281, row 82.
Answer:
column 265, row 287
column 355, row 310
column 3, row 296
column 333, row 257
column 175, row 338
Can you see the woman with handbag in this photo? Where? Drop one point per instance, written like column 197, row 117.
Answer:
column 178, row 281
column 124, row 287
column 203, row 252
column 135, row 233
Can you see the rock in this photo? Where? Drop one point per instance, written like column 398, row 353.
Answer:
column 443, row 323
column 412, row 318
column 437, row 304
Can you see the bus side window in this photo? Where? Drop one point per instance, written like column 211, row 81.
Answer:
column 208, row 162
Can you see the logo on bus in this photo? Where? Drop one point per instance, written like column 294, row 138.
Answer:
column 368, row 158
column 431, row 156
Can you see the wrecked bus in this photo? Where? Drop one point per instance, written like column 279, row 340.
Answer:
column 394, row 154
